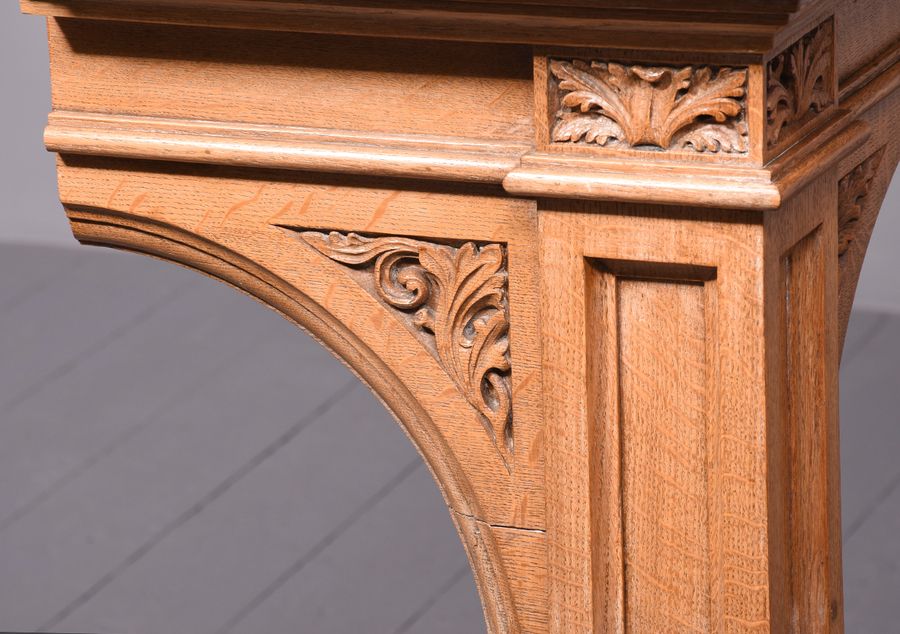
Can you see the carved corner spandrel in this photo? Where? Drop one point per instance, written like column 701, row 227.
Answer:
column 800, row 85
column 454, row 299
column 853, row 192
column 860, row 194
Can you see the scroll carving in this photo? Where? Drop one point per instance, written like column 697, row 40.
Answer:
column 853, row 191
column 799, row 83
column 699, row 109
column 455, row 299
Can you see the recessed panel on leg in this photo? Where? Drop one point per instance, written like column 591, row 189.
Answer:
column 650, row 368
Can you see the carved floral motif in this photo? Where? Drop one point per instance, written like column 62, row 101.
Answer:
column 799, row 82
column 457, row 299
column 852, row 193
column 639, row 106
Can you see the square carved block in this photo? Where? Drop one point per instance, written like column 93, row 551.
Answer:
column 653, row 108
column 745, row 109
column 800, row 87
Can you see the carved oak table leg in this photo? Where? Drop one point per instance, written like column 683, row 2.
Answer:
column 598, row 261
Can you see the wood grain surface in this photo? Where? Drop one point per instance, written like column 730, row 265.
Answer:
column 588, row 255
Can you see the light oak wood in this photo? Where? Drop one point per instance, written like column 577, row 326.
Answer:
column 596, row 257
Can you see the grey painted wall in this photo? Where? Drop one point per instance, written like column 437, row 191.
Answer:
column 29, row 211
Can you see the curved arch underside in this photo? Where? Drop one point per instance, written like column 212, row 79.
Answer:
column 617, row 352
column 862, row 190
column 294, row 306
column 248, row 233
column 272, row 265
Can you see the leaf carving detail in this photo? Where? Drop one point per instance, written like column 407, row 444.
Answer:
column 853, row 190
column 608, row 103
column 798, row 82
column 599, row 130
column 457, row 298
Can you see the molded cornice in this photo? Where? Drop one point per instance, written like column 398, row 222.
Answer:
column 282, row 147
column 530, row 175
column 522, row 169
column 742, row 26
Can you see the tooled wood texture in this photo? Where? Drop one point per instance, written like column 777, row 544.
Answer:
column 588, row 253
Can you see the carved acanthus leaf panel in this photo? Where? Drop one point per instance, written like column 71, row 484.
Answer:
column 853, row 191
column 699, row 109
column 457, row 299
column 799, row 83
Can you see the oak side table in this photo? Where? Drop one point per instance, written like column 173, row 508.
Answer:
column 596, row 256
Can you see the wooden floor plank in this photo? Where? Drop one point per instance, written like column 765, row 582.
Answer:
column 28, row 269
column 99, row 520
column 314, row 531
column 870, row 424
column 870, row 479
column 872, row 570
column 354, row 586
column 863, row 326
column 126, row 386
column 244, row 540
column 457, row 610
column 67, row 322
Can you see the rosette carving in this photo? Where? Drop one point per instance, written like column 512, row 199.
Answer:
column 455, row 299
column 642, row 106
column 799, row 83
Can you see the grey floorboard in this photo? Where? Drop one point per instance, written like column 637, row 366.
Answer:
column 870, row 423
column 872, row 572
column 70, row 320
column 174, row 457
column 863, row 326
column 353, row 587
column 128, row 385
column 870, row 480
column 456, row 611
column 65, row 547
column 246, row 539
column 28, row 269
